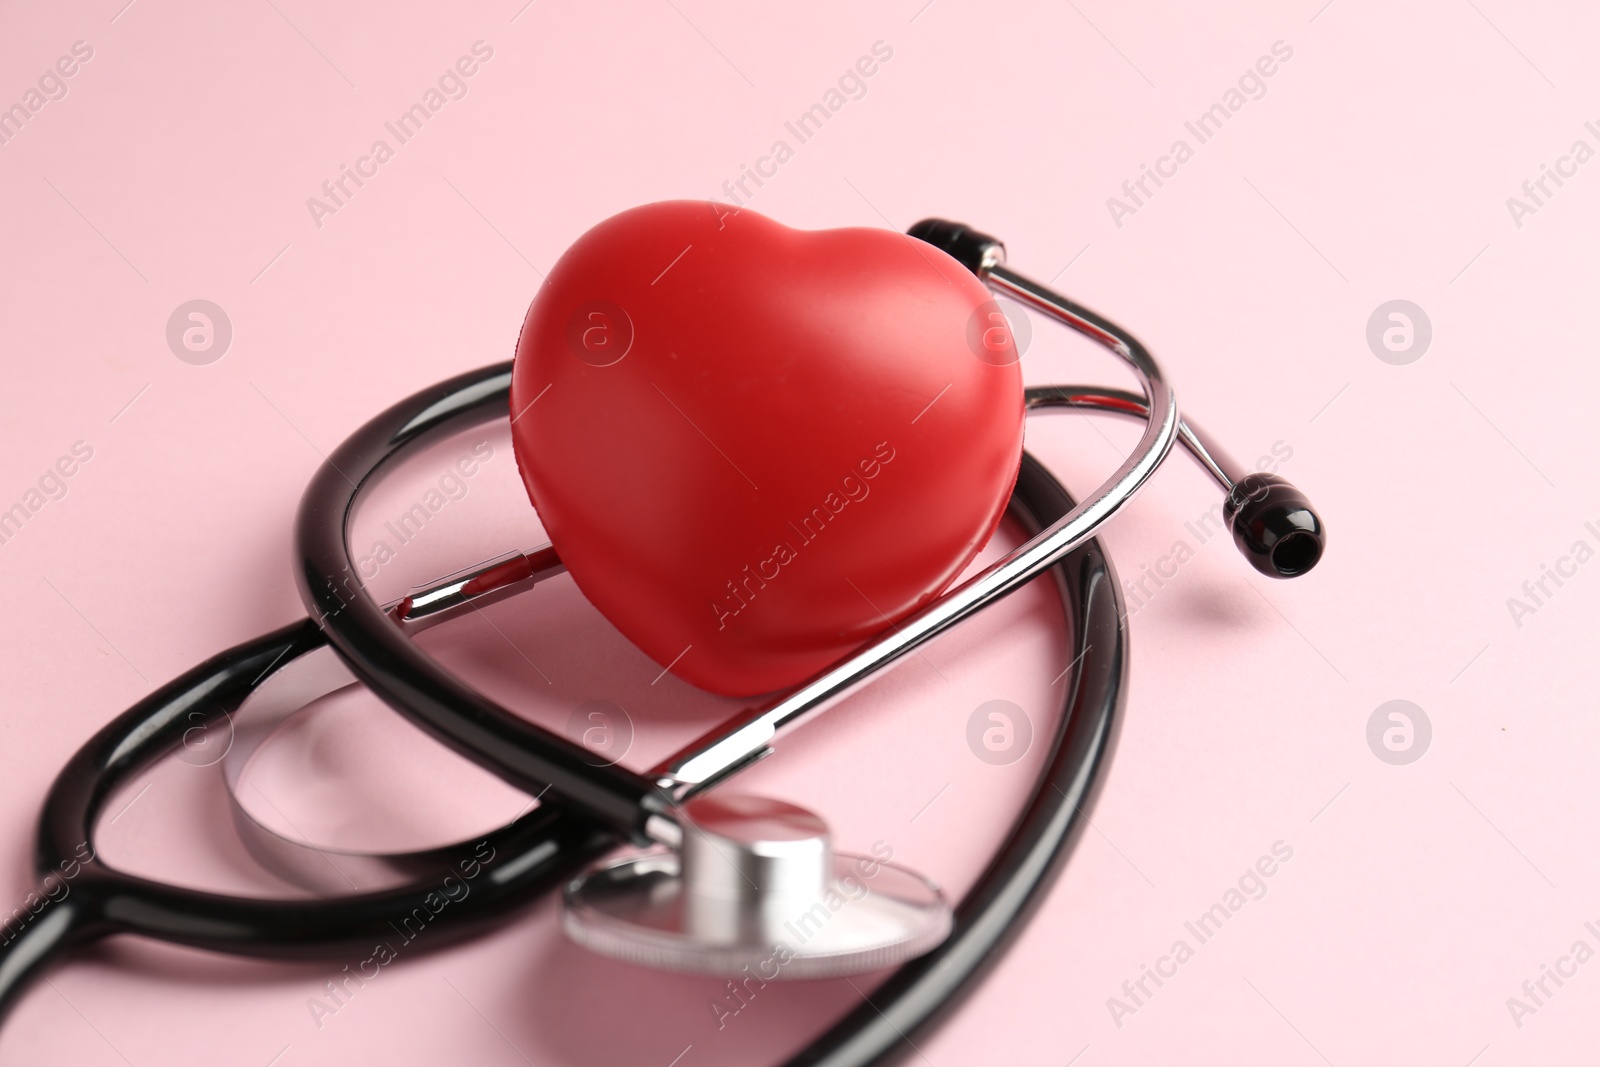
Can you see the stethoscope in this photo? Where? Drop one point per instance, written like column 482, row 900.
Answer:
column 708, row 882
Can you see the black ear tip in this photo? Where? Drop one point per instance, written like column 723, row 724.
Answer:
column 965, row 245
column 1275, row 526
column 930, row 230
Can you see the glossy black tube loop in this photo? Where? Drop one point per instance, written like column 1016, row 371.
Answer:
column 525, row 755
column 1029, row 856
column 524, row 859
column 532, row 855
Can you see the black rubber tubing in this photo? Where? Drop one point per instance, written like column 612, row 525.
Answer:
column 1025, row 864
column 540, row 850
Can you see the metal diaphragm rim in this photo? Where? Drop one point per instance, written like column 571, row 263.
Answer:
column 634, row 909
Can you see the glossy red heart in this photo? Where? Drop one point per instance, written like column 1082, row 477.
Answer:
column 756, row 447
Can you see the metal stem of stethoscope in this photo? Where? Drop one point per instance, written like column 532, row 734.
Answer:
column 735, row 744
column 506, row 576
column 727, row 748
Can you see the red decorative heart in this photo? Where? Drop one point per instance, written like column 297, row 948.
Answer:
column 756, row 447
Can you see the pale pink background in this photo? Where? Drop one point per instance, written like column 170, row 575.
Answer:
column 1377, row 166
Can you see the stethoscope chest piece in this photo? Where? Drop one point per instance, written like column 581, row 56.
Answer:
column 756, row 889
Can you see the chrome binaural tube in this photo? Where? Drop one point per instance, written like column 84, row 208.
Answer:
column 1215, row 462
column 733, row 746
column 723, row 751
